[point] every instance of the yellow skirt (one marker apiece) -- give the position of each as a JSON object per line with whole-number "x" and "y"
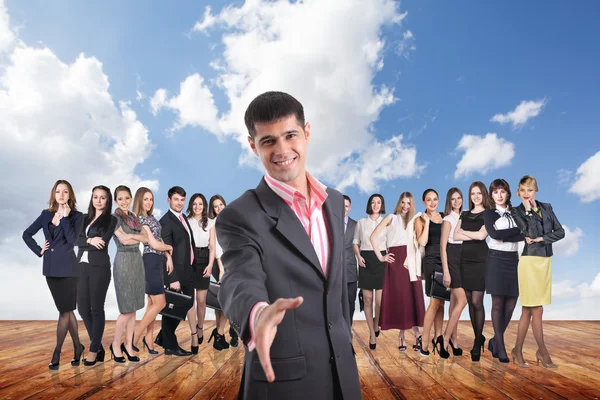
{"x": 535, "y": 280}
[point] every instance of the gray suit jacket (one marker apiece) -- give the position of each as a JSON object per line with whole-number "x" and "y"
{"x": 533, "y": 226}
{"x": 349, "y": 258}
{"x": 268, "y": 255}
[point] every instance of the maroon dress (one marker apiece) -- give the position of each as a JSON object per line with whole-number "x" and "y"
{"x": 402, "y": 302}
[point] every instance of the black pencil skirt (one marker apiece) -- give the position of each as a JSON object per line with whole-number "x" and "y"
{"x": 64, "y": 292}
{"x": 200, "y": 262}
{"x": 371, "y": 276}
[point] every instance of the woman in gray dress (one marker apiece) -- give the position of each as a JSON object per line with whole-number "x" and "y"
{"x": 128, "y": 274}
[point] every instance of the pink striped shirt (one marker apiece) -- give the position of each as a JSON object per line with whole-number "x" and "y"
{"x": 312, "y": 219}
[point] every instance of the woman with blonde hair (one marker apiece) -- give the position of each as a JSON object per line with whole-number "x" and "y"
{"x": 155, "y": 252}
{"x": 541, "y": 228}
{"x": 402, "y": 303}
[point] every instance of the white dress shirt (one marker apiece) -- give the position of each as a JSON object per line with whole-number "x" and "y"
{"x": 362, "y": 234}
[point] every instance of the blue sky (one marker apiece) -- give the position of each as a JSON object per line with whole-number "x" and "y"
{"x": 439, "y": 72}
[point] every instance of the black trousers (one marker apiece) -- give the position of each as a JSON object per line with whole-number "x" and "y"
{"x": 352, "y": 289}
{"x": 91, "y": 295}
{"x": 169, "y": 325}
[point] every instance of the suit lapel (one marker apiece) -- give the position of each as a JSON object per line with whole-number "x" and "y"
{"x": 335, "y": 227}
{"x": 288, "y": 224}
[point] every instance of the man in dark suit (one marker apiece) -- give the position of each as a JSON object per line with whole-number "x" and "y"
{"x": 349, "y": 257}
{"x": 177, "y": 232}
{"x": 284, "y": 288}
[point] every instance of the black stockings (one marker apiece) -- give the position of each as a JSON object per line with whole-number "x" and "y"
{"x": 476, "y": 311}
{"x": 502, "y": 311}
{"x": 66, "y": 322}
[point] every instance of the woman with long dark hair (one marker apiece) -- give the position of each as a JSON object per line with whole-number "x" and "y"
{"x": 204, "y": 258}
{"x": 215, "y": 206}
{"x": 450, "y": 249}
{"x": 94, "y": 262}
{"x": 473, "y": 257}
{"x": 402, "y": 303}
{"x": 372, "y": 271}
{"x": 541, "y": 228}
{"x": 61, "y": 224}
{"x": 128, "y": 275}
{"x": 501, "y": 279}
{"x": 155, "y": 252}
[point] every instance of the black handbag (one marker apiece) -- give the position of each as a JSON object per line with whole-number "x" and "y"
{"x": 438, "y": 290}
{"x": 361, "y": 300}
{"x": 212, "y": 297}
{"x": 178, "y": 304}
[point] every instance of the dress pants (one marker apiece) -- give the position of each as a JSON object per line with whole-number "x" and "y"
{"x": 352, "y": 289}
{"x": 169, "y": 325}
{"x": 91, "y": 295}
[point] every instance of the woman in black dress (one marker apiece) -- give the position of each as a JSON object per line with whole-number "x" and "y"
{"x": 61, "y": 224}
{"x": 473, "y": 256}
{"x": 428, "y": 230}
{"x": 94, "y": 261}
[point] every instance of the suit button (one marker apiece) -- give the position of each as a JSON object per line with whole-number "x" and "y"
{"x": 329, "y": 326}
{"x": 51, "y": 249}
{"x": 331, "y": 359}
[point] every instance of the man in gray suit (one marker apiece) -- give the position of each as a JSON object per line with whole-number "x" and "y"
{"x": 284, "y": 288}
{"x": 349, "y": 257}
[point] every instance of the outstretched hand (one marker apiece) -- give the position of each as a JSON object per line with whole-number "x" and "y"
{"x": 265, "y": 330}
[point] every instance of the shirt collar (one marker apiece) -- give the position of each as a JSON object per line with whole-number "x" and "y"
{"x": 346, "y": 219}
{"x": 175, "y": 212}
{"x": 318, "y": 191}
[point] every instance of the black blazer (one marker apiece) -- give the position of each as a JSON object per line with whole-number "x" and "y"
{"x": 533, "y": 226}
{"x": 268, "y": 255}
{"x": 95, "y": 256}
{"x": 174, "y": 234}
{"x": 506, "y": 235}
{"x": 59, "y": 259}
{"x": 349, "y": 257}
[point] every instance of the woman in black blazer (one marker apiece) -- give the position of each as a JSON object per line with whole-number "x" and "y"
{"x": 61, "y": 224}
{"x": 98, "y": 227}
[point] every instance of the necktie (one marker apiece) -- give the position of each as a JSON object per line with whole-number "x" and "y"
{"x": 188, "y": 231}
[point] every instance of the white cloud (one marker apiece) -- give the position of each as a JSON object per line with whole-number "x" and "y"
{"x": 587, "y": 183}
{"x": 407, "y": 44}
{"x": 483, "y": 154}
{"x": 523, "y": 113}
{"x": 328, "y": 67}
{"x": 7, "y": 36}
{"x": 59, "y": 121}
{"x": 573, "y": 289}
{"x": 569, "y": 245}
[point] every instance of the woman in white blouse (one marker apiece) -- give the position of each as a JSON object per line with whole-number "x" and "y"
{"x": 204, "y": 257}
{"x": 371, "y": 271}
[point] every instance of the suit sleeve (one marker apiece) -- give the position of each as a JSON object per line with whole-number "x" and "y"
{"x": 30, "y": 233}
{"x": 558, "y": 231}
{"x": 489, "y": 218}
{"x": 110, "y": 231}
{"x": 243, "y": 284}
{"x": 521, "y": 222}
{"x": 345, "y": 305}
{"x": 167, "y": 237}
{"x": 72, "y": 227}
{"x": 82, "y": 239}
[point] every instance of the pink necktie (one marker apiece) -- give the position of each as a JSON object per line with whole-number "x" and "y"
{"x": 188, "y": 231}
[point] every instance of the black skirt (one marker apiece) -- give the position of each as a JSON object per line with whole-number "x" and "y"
{"x": 64, "y": 292}
{"x": 501, "y": 273}
{"x": 200, "y": 263}
{"x": 371, "y": 276}
{"x": 153, "y": 271}
{"x": 453, "y": 254}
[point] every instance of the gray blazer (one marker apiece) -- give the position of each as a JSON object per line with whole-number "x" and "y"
{"x": 349, "y": 258}
{"x": 533, "y": 226}
{"x": 268, "y": 255}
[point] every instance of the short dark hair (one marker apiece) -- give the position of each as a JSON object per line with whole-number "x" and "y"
{"x": 176, "y": 190}
{"x": 270, "y": 107}
{"x": 500, "y": 184}
{"x": 370, "y": 209}
{"x": 346, "y": 197}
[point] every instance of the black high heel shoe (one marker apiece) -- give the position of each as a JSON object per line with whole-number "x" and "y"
{"x": 417, "y": 346}
{"x": 456, "y": 351}
{"x": 441, "y": 351}
{"x": 151, "y": 351}
{"x": 133, "y": 345}
{"x": 54, "y": 363}
{"x": 219, "y": 343}
{"x": 194, "y": 348}
{"x": 77, "y": 359}
{"x": 112, "y": 355}
{"x": 478, "y": 346}
{"x": 234, "y": 337}
{"x": 200, "y": 337}
{"x": 99, "y": 358}
{"x": 129, "y": 357}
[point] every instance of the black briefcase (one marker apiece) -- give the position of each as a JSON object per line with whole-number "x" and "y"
{"x": 178, "y": 304}
{"x": 438, "y": 290}
{"x": 212, "y": 297}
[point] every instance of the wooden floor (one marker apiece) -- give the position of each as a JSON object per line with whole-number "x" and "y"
{"x": 385, "y": 373}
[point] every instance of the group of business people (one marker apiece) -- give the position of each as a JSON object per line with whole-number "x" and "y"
{"x": 449, "y": 249}
{"x": 180, "y": 252}
{"x": 289, "y": 260}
